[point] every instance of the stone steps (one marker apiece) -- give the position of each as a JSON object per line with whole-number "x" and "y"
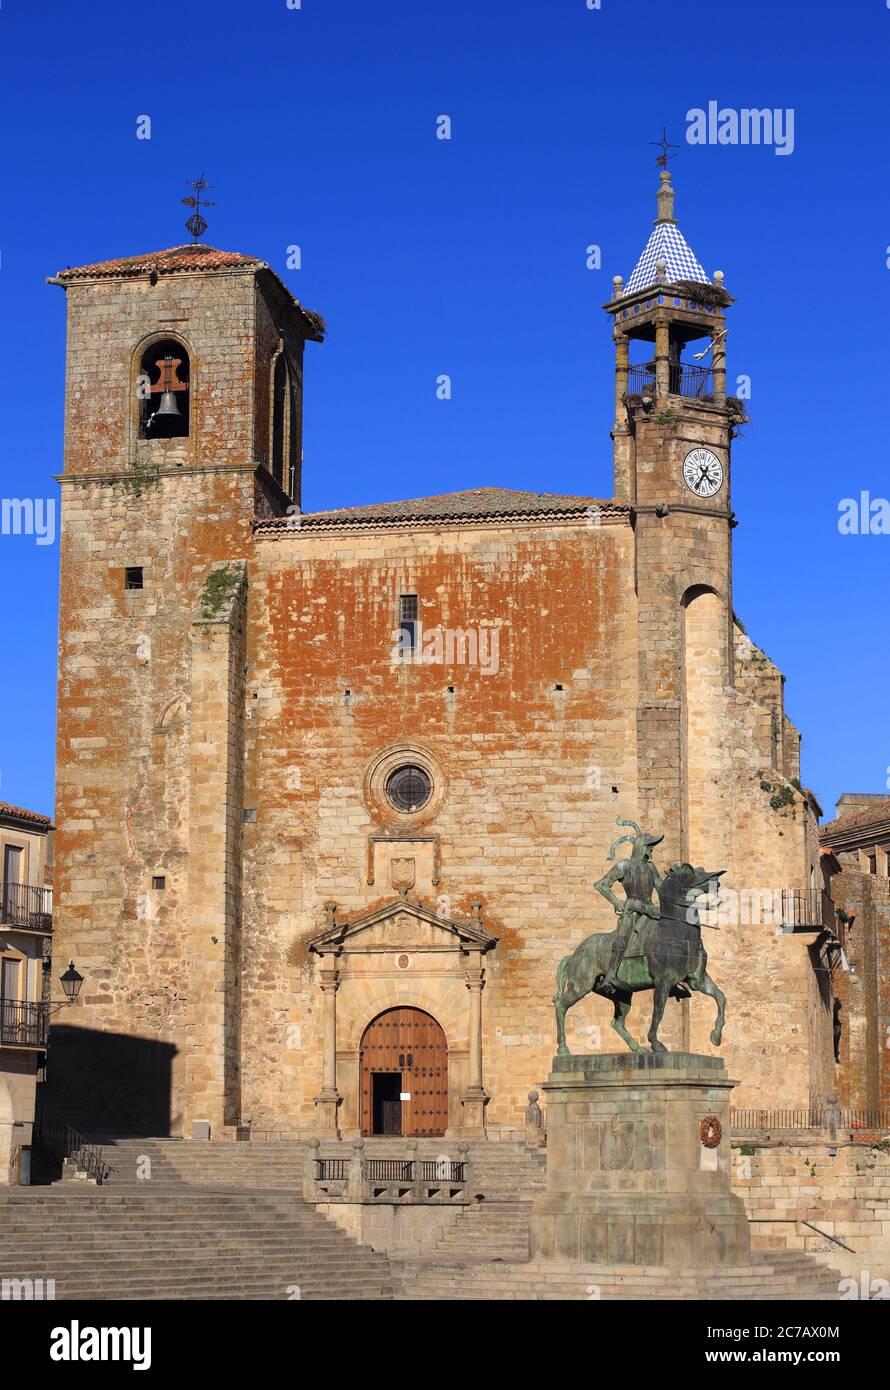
{"x": 495, "y": 1230}
{"x": 227, "y": 1221}
{"x": 448, "y": 1279}
{"x": 497, "y": 1169}
{"x": 182, "y": 1243}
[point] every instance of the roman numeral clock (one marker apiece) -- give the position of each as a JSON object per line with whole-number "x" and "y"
{"x": 703, "y": 472}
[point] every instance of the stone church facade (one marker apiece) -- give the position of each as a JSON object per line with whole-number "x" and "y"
{"x": 334, "y": 788}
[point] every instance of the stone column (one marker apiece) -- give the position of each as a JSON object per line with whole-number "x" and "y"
{"x": 622, "y": 354}
{"x": 662, "y": 359}
{"x": 216, "y": 802}
{"x": 718, "y": 363}
{"x": 475, "y": 1099}
{"x": 329, "y": 1099}
{"x": 621, "y": 430}
{"x": 310, "y": 1171}
{"x": 356, "y": 1181}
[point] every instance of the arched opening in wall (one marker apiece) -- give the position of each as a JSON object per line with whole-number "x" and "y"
{"x": 163, "y": 388}
{"x": 283, "y": 444}
{"x": 403, "y": 1081}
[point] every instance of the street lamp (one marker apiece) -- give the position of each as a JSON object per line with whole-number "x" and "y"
{"x": 71, "y": 982}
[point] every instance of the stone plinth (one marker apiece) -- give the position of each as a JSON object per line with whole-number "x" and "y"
{"x": 629, "y": 1178}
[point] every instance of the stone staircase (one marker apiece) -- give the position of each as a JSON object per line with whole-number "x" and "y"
{"x": 167, "y": 1240}
{"x": 493, "y": 1230}
{"x": 499, "y": 1170}
{"x": 226, "y": 1220}
{"x": 777, "y": 1278}
{"x": 275, "y": 1166}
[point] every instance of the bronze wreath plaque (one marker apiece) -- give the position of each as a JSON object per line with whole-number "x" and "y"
{"x": 711, "y": 1131}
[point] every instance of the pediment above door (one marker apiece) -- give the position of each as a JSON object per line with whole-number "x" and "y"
{"x": 402, "y": 924}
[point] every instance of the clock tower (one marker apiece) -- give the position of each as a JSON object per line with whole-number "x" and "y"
{"x": 672, "y": 436}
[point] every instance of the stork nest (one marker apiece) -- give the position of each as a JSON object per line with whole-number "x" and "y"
{"x": 318, "y": 322}
{"x": 709, "y": 295}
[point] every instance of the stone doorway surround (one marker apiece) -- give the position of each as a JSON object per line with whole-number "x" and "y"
{"x": 401, "y": 955}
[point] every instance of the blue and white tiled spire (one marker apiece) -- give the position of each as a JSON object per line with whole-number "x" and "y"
{"x": 668, "y": 244}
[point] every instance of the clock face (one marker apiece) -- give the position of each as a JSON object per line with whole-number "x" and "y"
{"x": 702, "y": 472}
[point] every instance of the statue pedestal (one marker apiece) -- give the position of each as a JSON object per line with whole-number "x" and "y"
{"x": 638, "y": 1163}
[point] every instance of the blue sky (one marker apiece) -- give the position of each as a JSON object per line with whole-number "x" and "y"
{"x": 467, "y": 257}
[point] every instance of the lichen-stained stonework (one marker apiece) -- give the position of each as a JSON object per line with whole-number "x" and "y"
{"x": 236, "y": 883}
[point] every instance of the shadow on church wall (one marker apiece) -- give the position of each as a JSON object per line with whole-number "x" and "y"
{"x": 109, "y": 1083}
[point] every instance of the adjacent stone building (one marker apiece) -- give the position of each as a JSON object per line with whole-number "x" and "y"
{"x": 334, "y": 788}
{"x": 26, "y": 914}
{"x": 858, "y": 839}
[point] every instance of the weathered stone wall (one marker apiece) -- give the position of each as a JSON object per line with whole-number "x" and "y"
{"x": 216, "y": 774}
{"x": 122, "y": 792}
{"x": 276, "y": 330}
{"x": 847, "y": 1196}
{"x": 111, "y": 322}
{"x": 528, "y": 772}
{"x": 864, "y": 1072}
{"x": 676, "y": 554}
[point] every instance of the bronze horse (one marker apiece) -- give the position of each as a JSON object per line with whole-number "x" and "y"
{"x": 672, "y": 961}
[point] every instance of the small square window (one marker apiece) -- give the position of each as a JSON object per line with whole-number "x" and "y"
{"x": 249, "y": 815}
{"x": 133, "y": 577}
{"x": 159, "y": 881}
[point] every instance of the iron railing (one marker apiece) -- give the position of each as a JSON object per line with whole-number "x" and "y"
{"x": 442, "y": 1170}
{"x": 389, "y": 1169}
{"x": 752, "y": 1121}
{"x": 393, "y": 1170}
{"x": 684, "y": 379}
{"x": 639, "y": 377}
{"x": 688, "y": 379}
{"x": 23, "y": 1024}
{"x": 24, "y": 905}
{"x": 332, "y": 1169}
{"x": 57, "y": 1137}
{"x": 803, "y": 908}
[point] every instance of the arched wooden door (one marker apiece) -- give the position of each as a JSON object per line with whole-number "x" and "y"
{"x": 404, "y": 1075}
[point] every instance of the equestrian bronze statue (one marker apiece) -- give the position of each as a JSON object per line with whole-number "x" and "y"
{"x": 655, "y": 946}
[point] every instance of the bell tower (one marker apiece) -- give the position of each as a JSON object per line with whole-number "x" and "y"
{"x": 672, "y": 441}
{"x": 182, "y": 424}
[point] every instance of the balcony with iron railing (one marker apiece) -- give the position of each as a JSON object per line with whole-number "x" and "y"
{"x": 23, "y": 1024}
{"x": 27, "y": 906}
{"x": 684, "y": 379}
{"x": 811, "y": 910}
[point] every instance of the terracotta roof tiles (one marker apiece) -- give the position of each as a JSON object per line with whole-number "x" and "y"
{"x": 876, "y": 814}
{"x": 471, "y": 504}
{"x": 19, "y": 813}
{"x": 194, "y": 256}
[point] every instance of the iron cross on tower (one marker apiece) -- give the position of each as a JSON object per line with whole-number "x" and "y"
{"x": 664, "y": 145}
{"x": 196, "y": 223}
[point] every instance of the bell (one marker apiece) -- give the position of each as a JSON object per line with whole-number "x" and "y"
{"x": 168, "y": 404}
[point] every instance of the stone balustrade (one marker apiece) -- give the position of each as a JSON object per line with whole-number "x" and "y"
{"x": 407, "y": 1179}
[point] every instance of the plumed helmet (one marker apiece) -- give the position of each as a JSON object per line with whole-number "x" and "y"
{"x": 640, "y": 838}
